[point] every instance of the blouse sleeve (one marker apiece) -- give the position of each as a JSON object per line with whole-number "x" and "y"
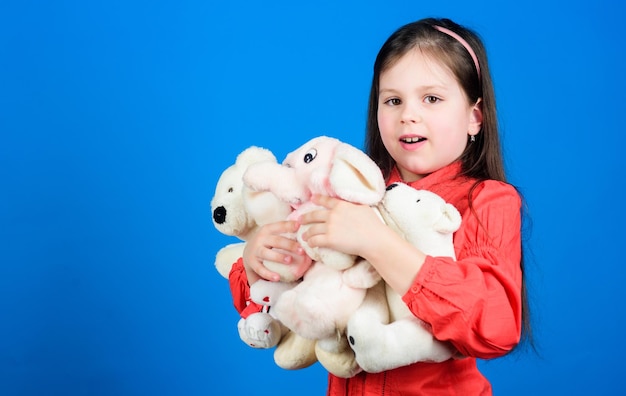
{"x": 475, "y": 301}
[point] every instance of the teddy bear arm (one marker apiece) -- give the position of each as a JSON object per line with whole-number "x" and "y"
{"x": 227, "y": 256}
{"x": 264, "y": 207}
{"x": 362, "y": 275}
{"x": 398, "y": 344}
{"x": 278, "y": 179}
{"x": 267, "y": 293}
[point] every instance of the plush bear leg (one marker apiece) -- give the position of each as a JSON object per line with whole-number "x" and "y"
{"x": 294, "y": 352}
{"x": 336, "y": 356}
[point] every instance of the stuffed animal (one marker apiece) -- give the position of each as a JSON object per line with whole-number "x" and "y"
{"x": 383, "y": 332}
{"x": 319, "y": 307}
{"x": 238, "y": 211}
{"x": 232, "y": 216}
{"x": 324, "y": 166}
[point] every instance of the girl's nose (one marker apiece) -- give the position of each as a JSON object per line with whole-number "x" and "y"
{"x": 410, "y": 115}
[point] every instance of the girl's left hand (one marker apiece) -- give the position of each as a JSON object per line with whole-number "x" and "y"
{"x": 343, "y": 226}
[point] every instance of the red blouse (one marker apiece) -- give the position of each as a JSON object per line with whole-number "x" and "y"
{"x": 473, "y": 302}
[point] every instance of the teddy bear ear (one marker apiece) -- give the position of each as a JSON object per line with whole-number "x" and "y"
{"x": 450, "y": 219}
{"x": 355, "y": 177}
{"x": 254, "y": 154}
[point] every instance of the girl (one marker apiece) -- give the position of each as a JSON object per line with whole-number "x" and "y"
{"x": 431, "y": 124}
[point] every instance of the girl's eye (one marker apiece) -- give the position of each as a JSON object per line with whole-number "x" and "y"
{"x": 393, "y": 102}
{"x": 431, "y": 99}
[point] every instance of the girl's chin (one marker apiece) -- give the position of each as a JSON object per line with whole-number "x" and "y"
{"x": 412, "y": 175}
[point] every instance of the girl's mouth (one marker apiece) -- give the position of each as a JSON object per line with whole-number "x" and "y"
{"x": 412, "y": 139}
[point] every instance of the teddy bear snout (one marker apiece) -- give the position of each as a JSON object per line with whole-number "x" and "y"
{"x": 219, "y": 215}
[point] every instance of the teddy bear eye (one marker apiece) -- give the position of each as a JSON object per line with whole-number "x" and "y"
{"x": 310, "y": 156}
{"x": 230, "y": 190}
{"x": 418, "y": 200}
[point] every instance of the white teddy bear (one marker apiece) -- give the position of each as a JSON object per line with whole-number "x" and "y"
{"x": 238, "y": 211}
{"x": 383, "y": 332}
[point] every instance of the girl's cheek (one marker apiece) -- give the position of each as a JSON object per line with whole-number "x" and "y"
{"x": 385, "y": 122}
{"x": 383, "y": 117}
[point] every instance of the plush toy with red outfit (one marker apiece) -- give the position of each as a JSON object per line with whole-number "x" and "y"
{"x": 383, "y": 332}
{"x": 319, "y": 307}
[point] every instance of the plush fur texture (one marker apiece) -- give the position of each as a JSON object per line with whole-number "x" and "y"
{"x": 320, "y": 305}
{"x": 324, "y": 166}
{"x": 238, "y": 211}
{"x": 383, "y": 332}
{"x": 339, "y": 298}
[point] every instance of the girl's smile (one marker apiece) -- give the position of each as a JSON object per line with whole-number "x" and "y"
{"x": 412, "y": 142}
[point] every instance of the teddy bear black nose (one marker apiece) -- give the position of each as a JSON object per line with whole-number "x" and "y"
{"x": 389, "y": 187}
{"x": 219, "y": 215}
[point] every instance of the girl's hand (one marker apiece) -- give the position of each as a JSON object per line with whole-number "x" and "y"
{"x": 346, "y": 227}
{"x": 358, "y": 230}
{"x": 269, "y": 243}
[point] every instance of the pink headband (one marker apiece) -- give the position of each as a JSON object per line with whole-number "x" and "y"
{"x": 463, "y": 42}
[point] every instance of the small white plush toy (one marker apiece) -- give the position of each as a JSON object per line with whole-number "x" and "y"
{"x": 383, "y": 332}
{"x": 235, "y": 212}
{"x": 238, "y": 211}
{"x": 318, "y": 308}
{"x": 231, "y": 216}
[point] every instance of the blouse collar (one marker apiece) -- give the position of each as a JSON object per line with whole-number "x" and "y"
{"x": 447, "y": 173}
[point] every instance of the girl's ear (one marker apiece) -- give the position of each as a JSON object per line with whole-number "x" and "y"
{"x": 476, "y": 118}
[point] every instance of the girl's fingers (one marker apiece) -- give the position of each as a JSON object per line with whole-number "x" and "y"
{"x": 314, "y": 216}
{"x": 312, "y": 230}
{"x": 283, "y": 243}
{"x": 272, "y": 243}
{"x": 325, "y": 201}
{"x": 276, "y": 255}
{"x": 265, "y": 273}
{"x": 283, "y": 227}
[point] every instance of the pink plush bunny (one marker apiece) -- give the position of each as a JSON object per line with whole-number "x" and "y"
{"x": 324, "y": 166}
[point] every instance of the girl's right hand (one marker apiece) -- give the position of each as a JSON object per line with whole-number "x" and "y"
{"x": 269, "y": 243}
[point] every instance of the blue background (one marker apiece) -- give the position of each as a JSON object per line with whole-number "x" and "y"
{"x": 117, "y": 118}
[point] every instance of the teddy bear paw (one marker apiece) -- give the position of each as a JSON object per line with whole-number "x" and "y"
{"x": 267, "y": 293}
{"x": 259, "y": 330}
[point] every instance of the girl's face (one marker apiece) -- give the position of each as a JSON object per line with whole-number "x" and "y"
{"x": 423, "y": 115}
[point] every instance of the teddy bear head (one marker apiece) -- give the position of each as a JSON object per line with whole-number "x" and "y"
{"x": 422, "y": 217}
{"x": 237, "y": 210}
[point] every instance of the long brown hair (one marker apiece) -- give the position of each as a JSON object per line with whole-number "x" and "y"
{"x": 482, "y": 159}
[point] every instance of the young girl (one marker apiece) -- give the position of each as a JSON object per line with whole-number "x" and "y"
{"x": 431, "y": 124}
